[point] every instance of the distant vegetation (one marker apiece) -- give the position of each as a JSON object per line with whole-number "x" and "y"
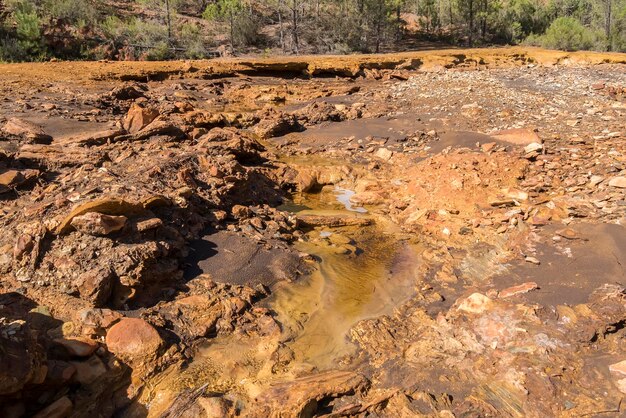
{"x": 164, "y": 29}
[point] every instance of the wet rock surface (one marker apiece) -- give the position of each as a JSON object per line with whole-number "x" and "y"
{"x": 440, "y": 236}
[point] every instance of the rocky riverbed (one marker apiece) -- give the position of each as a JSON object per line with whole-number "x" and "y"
{"x": 428, "y": 234}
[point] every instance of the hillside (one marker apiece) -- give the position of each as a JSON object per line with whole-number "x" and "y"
{"x": 35, "y": 30}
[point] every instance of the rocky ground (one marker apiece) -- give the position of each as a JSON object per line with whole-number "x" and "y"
{"x": 429, "y": 234}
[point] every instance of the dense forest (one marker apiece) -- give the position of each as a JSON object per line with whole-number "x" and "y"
{"x": 164, "y": 29}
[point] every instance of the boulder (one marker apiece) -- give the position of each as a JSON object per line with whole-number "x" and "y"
{"x": 133, "y": 338}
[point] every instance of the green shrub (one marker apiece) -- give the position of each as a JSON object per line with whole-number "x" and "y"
{"x": 160, "y": 52}
{"x": 192, "y": 40}
{"x": 568, "y": 34}
{"x": 78, "y": 12}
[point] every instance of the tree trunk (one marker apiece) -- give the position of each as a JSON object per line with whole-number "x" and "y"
{"x": 379, "y": 19}
{"x": 232, "y": 30}
{"x": 607, "y": 24}
{"x": 398, "y": 26}
{"x": 483, "y": 29}
{"x": 280, "y": 24}
{"x": 470, "y": 38}
{"x": 450, "y": 15}
{"x": 294, "y": 27}
{"x": 169, "y": 21}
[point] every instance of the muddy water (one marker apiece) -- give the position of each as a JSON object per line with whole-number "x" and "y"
{"x": 318, "y": 312}
{"x": 361, "y": 273}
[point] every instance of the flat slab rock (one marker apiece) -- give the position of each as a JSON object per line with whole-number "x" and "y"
{"x": 298, "y": 397}
{"x": 235, "y": 259}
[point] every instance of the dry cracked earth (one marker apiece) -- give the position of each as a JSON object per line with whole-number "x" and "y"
{"x": 434, "y": 234}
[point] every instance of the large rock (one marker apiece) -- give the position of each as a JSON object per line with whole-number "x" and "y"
{"x": 26, "y": 130}
{"x": 138, "y": 117}
{"x": 133, "y": 338}
{"x": 98, "y": 224}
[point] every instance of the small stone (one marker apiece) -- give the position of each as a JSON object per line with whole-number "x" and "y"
{"x": 618, "y": 368}
{"x": 241, "y": 212}
{"x": 595, "y": 180}
{"x": 98, "y": 318}
{"x": 532, "y": 260}
{"x": 567, "y": 233}
{"x": 98, "y": 224}
{"x": 88, "y": 371}
{"x": 59, "y": 372}
{"x": 185, "y": 192}
{"x": 515, "y": 194}
{"x": 149, "y": 224}
{"x": 533, "y": 147}
{"x": 384, "y": 154}
{"x": 475, "y": 303}
{"x": 78, "y": 347}
{"x": 97, "y": 284}
{"x": 518, "y": 290}
{"x": 619, "y": 182}
{"x": 488, "y": 146}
